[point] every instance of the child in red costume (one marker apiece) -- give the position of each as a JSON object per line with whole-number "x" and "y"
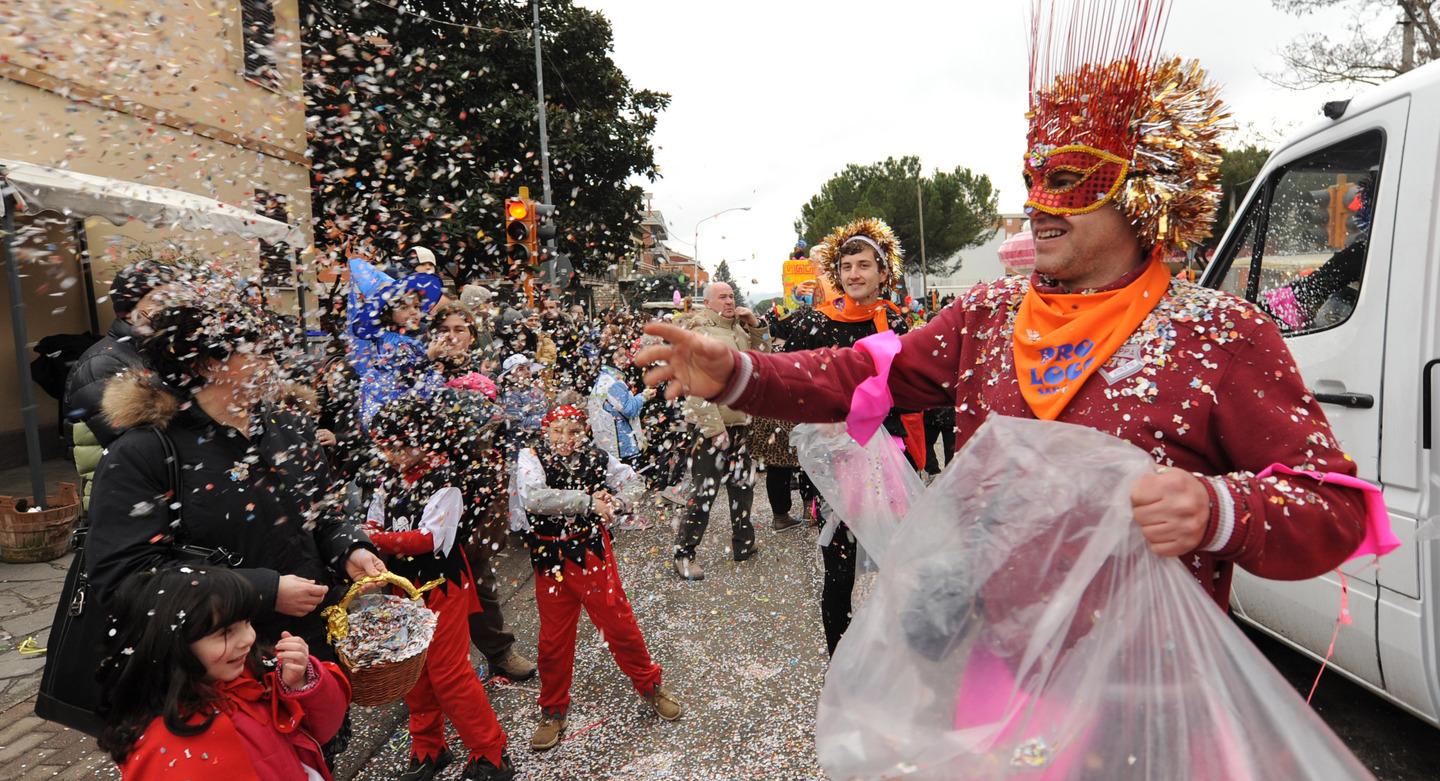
{"x": 189, "y": 694}
{"x": 417, "y": 518}
{"x": 570, "y": 491}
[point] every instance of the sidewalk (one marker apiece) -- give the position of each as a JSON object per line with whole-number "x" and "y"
{"x": 31, "y": 748}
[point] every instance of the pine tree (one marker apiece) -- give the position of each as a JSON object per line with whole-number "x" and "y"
{"x": 722, "y": 274}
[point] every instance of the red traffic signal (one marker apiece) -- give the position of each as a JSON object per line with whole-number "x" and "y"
{"x": 522, "y": 246}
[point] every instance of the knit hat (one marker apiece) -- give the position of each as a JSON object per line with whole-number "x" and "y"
{"x": 517, "y": 360}
{"x": 133, "y": 282}
{"x": 423, "y": 255}
{"x": 562, "y": 412}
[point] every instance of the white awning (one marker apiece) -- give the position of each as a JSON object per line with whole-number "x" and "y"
{"x": 41, "y": 188}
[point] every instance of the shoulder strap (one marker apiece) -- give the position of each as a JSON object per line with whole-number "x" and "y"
{"x": 176, "y": 505}
{"x": 172, "y": 473}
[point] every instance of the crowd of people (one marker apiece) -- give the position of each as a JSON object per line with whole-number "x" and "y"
{"x": 248, "y": 480}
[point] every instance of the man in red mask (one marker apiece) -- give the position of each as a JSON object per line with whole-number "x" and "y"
{"x": 1122, "y": 167}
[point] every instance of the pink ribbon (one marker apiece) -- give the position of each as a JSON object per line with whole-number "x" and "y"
{"x": 871, "y": 401}
{"x": 1379, "y": 538}
{"x": 1285, "y": 305}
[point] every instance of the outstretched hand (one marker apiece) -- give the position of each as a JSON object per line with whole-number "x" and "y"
{"x": 694, "y": 364}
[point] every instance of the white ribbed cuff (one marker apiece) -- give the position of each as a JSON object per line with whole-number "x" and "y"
{"x": 1225, "y": 518}
{"x": 744, "y": 369}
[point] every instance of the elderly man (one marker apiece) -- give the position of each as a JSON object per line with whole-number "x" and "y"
{"x": 719, "y": 455}
{"x": 1101, "y": 335}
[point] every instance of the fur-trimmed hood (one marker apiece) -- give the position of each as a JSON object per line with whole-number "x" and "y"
{"x": 136, "y": 398}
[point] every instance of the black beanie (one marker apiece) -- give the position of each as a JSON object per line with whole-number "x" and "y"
{"x": 134, "y": 281}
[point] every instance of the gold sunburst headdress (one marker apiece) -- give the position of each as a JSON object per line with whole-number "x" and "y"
{"x": 871, "y": 231}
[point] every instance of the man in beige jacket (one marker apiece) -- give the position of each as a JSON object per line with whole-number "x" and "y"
{"x": 719, "y": 454}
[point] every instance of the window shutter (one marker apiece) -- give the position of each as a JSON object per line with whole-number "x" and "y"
{"x": 277, "y": 268}
{"x": 257, "y": 19}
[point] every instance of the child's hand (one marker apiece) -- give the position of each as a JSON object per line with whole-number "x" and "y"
{"x": 603, "y": 505}
{"x": 293, "y": 656}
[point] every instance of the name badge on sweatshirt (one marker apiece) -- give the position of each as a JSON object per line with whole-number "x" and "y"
{"x": 1124, "y": 363}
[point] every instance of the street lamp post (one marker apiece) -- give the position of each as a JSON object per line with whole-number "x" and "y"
{"x": 696, "y": 242}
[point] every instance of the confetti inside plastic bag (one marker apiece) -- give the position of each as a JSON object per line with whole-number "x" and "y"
{"x": 1022, "y": 629}
{"x": 869, "y": 488}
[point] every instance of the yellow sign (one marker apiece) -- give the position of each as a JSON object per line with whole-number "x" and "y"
{"x": 802, "y": 285}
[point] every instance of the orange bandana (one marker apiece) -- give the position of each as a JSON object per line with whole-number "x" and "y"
{"x": 1063, "y": 338}
{"x": 845, "y": 310}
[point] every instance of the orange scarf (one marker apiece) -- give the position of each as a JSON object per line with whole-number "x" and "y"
{"x": 845, "y": 310}
{"x": 1063, "y": 338}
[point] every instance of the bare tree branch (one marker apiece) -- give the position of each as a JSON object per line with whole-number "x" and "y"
{"x": 1365, "y": 55}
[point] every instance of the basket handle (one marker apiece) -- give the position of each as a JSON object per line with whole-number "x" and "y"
{"x": 337, "y": 617}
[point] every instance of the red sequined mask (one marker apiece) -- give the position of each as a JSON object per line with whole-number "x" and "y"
{"x": 1072, "y": 179}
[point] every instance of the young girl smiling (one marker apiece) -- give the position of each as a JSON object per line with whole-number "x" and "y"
{"x": 190, "y": 695}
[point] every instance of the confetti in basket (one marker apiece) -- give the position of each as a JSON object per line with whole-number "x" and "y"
{"x": 382, "y": 644}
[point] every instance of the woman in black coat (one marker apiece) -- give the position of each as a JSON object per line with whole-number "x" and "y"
{"x": 254, "y": 483}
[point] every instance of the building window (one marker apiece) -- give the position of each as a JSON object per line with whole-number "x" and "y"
{"x": 257, "y": 22}
{"x": 277, "y": 268}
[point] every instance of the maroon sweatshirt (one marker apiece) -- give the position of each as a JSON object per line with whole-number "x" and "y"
{"x": 1205, "y": 384}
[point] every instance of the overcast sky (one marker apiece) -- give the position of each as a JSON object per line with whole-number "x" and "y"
{"x": 772, "y": 97}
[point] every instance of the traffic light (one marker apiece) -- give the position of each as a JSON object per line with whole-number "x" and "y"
{"x": 545, "y": 222}
{"x": 560, "y": 272}
{"x": 522, "y": 246}
{"x": 1337, "y": 222}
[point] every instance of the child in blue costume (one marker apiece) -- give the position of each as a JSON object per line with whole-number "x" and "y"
{"x": 393, "y": 362}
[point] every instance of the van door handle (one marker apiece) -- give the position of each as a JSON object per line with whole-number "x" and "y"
{"x": 1425, "y": 414}
{"x": 1351, "y": 400}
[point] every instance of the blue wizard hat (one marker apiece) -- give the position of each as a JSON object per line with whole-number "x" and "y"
{"x": 372, "y": 291}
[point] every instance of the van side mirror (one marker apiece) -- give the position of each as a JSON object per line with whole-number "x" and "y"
{"x": 1335, "y": 109}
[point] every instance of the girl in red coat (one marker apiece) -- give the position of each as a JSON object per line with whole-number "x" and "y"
{"x": 190, "y": 695}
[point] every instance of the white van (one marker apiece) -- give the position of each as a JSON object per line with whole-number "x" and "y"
{"x": 1339, "y": 238}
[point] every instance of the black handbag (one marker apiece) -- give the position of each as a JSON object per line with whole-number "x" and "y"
{"x": 69, "y": 691}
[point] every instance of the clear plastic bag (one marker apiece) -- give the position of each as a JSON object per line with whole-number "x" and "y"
{"x": 869, "y": 488}
{"x": 1022, "y": 629}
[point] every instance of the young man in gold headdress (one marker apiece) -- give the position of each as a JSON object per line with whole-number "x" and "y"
{"x": 862, "y": 259}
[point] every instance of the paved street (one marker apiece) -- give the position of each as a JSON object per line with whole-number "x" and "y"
{"x": 742, "y": 649}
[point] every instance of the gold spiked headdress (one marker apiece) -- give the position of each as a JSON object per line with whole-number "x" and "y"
{"x": 873, "y": 232}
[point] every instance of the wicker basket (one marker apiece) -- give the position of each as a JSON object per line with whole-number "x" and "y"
{"x": 39, "y": 536}
{"x": 383, "y": 682}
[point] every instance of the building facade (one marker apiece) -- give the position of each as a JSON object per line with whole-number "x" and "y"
{"x": 205, "y": 98}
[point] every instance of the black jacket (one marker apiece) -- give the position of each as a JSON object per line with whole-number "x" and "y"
{"x": 86, "y": 384}
{"x": 812, "y": 329}
{"x": 270, "y": 500}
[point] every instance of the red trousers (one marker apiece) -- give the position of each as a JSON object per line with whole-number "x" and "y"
{"x": 597, "y": 589}
{"x": 449, "y": 686}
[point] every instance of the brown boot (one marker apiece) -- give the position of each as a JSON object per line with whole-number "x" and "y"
{"x": 513, "y": 666}
{"x": 547, "y": 734}
{"x": 664, "y": 703}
